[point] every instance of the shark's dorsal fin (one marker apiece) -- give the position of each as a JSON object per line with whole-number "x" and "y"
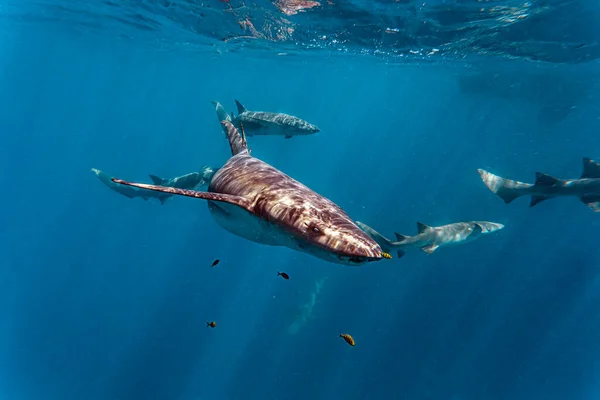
{"x": 225, "y": 198}
{"x": 421, "y": 227}
{"x": 537, "y": 200}
{"x": 430, "y": 248}
{"x": 400, "y": 237}
{"x": 237, "y": 142}
{"x": 544, "y": 179}
{"x": 591, "y": 169}
{"x": 156, "y": 180}
{"x": 240, "y": 107}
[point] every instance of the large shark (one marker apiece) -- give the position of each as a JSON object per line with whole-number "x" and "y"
{"x": 586, "y": 188}
{"x": 192, "y": 180}
{"x": 256, "y": 201}
{"x": 430, "y": 238}
{"x": 265, "y": 123}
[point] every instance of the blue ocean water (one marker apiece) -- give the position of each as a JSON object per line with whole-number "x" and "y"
{"x": 106, "y": 297}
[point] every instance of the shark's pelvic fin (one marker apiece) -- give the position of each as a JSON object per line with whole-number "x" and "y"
{"x": 592, "y": 202}
{"x": 537, "y": 200}
{"x": 591, "y": 169}
{"x": 421, "y": 227}
{"x": 430, "y": 248}
{"x": 240, "y": 107}
{"x": 225, "y": 198}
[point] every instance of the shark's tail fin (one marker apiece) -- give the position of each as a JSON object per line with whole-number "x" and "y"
{"x": 506, "y": 189}
{"x": 157, "y": 180}
{"x": 382, "y": 241}
{"x": 237, "y": 142}
{"x": 222, "y": 114}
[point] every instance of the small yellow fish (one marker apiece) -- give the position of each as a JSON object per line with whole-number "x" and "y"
{"x": 349, "y": 339}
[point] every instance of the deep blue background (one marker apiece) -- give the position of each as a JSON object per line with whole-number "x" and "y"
{"x": 105, "y": 297}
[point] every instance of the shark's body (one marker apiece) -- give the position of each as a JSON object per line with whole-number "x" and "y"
{"x": 254, "y": 200}
{"x": 266, "y": 123}
{"x": 192, "y": 180}
{"x": 586, "y": 188}
{"x": 430, "y": 238}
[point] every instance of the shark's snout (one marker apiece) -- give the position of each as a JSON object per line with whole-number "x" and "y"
{"x": 360, "y": 249}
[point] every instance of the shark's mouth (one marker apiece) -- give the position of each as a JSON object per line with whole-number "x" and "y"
{"x": 358, "y": 259}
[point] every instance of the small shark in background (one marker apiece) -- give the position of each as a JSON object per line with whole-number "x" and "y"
{"x": 586, "y": 188}
{"x": 430, "y": 238}
{"x": 265, "y": 123}
{"x": 188, "y": 181}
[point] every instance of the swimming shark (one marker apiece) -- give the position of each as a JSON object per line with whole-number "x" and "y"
{"x": 265, "y": 123}
{"x": 430, "y": 238}
{"x": 253, "y": 200}
{"x": 188, "y": 181}
{"x": 586, "y": 188}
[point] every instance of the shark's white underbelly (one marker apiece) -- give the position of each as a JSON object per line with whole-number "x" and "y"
{"x": 240, "y": 222}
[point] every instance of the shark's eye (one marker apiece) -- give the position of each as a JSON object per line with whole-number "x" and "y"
{"x": 314, "y": 229}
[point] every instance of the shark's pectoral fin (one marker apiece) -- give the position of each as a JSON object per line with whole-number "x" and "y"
{"x": 591, "y": 169}
{"x": 163, "y": 200}
{"x": 592, "y": 202}
{"x": 537, "y": 200}
{"x": 219, "y": 197}
{"x": 288, "y": 136}
{"x": 400, "y": 253}
{"x": 430, "y": 248}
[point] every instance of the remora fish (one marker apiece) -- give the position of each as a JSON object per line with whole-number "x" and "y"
{"x": 586, "y": 188}
{"x": 254, "y": 200}
{"x": 430, "y": 238}
{"x": 265, "y": 123}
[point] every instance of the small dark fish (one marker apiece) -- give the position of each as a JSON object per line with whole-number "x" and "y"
{"x": 349, "y": 339}
{"x": 212, "y": 324}
{"x": 215, "y": 262}
{"x": 283, "y": 275}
